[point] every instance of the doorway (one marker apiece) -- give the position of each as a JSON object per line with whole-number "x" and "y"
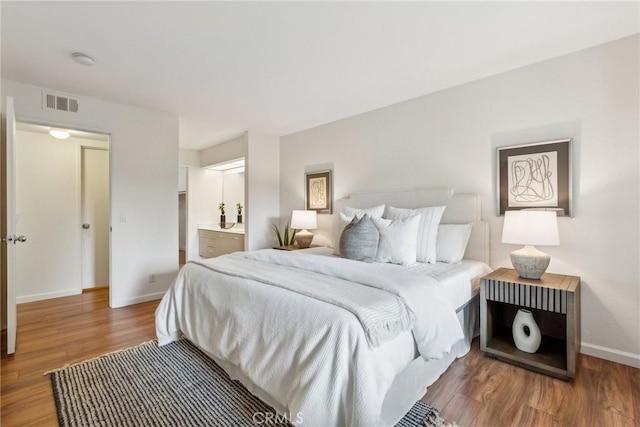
{"x": 95, "y": 217}
{"x": 53, "y": 180}
{"x": 182, "y": 215}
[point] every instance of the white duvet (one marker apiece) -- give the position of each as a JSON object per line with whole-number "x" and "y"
{"x": 310, "y": 358}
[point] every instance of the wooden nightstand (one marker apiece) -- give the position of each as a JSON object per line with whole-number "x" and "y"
{"x": 554, "y": 301}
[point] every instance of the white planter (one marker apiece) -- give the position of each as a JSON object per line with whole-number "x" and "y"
{"x": 526, "y": 333}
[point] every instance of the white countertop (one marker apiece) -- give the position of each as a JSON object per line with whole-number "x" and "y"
{"x": 236, "y": 229}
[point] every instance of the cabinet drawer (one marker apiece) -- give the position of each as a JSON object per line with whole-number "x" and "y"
{"x": 207, "y": 251}
{"x": 207, "y": 234}
{"x": 525, "y": 295}
{"x": 215, "y": 243}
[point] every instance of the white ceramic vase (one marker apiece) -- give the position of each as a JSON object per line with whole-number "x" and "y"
{"x": 526, "y": 333}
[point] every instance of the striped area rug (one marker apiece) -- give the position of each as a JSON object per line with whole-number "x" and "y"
{"x": 173, "y": 385}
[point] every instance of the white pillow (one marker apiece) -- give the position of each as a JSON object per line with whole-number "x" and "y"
{"x": 452, "y": 242}
{"x": 398, "y": 240}
{"x": 427, "y": 232}
{"x": 344, "y": 219}
{"x": 374, "y": 212}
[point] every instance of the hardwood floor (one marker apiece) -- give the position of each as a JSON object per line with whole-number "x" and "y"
{"x": 62, "y": 331}
{"x": 182, "y": 258}
{"x": 479, "y": 391}
{"x": 475, "y": 391}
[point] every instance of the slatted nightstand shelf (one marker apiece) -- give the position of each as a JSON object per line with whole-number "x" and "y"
{"x": 554, "y": 301}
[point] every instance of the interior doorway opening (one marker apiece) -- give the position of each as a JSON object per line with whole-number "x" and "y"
{"x": 62, "y": 200}
{"x": 183, "y": 245}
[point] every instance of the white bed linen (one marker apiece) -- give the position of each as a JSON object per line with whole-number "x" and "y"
{"x": 319, "y": 368}
{"x": 455, "y": 278}
{"x": 410, "y": 384}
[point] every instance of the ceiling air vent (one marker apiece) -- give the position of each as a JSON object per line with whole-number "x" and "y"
{"x": 58, "y": 102}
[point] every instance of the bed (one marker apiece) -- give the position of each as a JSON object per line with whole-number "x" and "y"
{"x": 332, "y": 341}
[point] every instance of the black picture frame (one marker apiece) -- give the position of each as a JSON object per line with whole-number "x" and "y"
{"x": 535, "y": 176}
{"x": 318, "y": 192}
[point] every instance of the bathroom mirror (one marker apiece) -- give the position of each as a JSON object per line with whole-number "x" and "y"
{"x": 233, "y": 182}
{"x": 233, "y": 193}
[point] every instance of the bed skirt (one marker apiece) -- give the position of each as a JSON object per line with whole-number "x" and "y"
{"x": 412, "y": 383}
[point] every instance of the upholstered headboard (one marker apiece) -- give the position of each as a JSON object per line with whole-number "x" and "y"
{"x": 460, "y": 209}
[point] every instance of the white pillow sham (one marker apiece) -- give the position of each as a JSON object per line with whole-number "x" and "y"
{"x": 452, "y": 242}
{"x": 427, "y": 232}
{"x": 344, "y": 219}
{"x": 398, "y": 240}
{"x": 374, "y": 212}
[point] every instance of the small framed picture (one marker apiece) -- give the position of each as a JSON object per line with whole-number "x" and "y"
{"x": 535, "y": 176}
{"x": 318, "y": 192}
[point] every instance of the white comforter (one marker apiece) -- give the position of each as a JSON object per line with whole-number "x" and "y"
{"x": 309, "y": 356}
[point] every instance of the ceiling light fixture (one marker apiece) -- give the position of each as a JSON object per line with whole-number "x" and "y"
{"x": 233, "y": 164}
{"x": 59, "y": 133}
{"x": 83, "y": 58}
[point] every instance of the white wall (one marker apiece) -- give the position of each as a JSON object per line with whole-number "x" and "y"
{"x": 144, "y": 156}
{"x": 224, "y": 152}
{"x": 48, "y": 213}
{"x": 449, "y": 139}
{"x": 262, "y": 189}
{"x": 261, "y": 181}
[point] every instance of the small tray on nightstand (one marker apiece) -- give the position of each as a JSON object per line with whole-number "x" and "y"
{"x": 293, "y": 247}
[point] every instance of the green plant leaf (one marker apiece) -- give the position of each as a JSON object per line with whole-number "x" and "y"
{"x": 286, "y": 234}
{"x": 275, "y": 227}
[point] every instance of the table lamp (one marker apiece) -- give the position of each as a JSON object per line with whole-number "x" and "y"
{"x": 304, "y": 221}
{"x": 529, "y": 228}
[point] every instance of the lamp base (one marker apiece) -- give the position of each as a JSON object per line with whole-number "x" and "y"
{"x": 529, "y": 262}
{"x": 303, "y": 239}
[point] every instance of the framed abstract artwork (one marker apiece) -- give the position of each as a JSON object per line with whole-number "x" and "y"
{"x": 318, "y": 192}
{"x": 535, "y": 176}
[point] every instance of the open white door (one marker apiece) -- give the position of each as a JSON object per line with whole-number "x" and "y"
{"x": 10, "y": 239}
{"x": 95, "y": 217}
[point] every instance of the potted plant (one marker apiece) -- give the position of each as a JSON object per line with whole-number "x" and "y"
{"x": 285, "y": 239}
{"x": 239, "y": 207}
{"x": 223, "y": 218}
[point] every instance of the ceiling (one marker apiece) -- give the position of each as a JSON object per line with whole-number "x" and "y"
{"x": 282, "y": 67}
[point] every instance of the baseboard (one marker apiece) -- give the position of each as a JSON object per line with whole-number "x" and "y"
{"x": 47, "y": 295}
{"x": 137, "y": 300}
{"x": 613, "y": 355}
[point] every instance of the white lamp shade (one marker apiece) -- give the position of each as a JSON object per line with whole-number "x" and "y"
{"x": 304, "y": 220}
{"x": 536, "y": 228}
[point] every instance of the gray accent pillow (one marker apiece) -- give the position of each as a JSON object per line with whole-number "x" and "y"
{"x": 359, "y": 240}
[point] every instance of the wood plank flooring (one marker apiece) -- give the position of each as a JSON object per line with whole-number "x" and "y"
{"x": 62, "y": 331}
{"x": 475, "y": 391}
{"x": 479, "y": 391}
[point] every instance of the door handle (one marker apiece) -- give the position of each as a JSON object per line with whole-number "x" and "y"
{"x": 15, "y": 239}
{"x": 86, "y": 226}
